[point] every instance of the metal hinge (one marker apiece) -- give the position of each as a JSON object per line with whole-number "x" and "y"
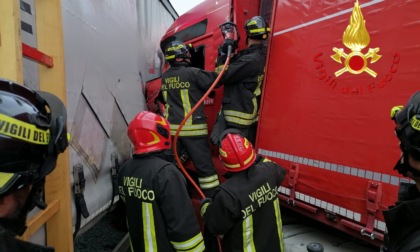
{"x": 292, "y": 178}
{"x": 373, "y": 198}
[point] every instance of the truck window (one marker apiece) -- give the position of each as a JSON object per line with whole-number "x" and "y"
{"x": 266, "y": 10}
{"x": 197, "y": 57}
{"x": 187, "y": 34}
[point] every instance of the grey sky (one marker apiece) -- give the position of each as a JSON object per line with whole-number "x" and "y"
{"x": 181, "y": 6}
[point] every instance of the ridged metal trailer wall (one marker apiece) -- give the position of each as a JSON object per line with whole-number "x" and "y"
{"x": 96, "y": 56}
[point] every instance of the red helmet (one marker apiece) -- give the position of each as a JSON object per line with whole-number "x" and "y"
{"x": 236, "y": 153}
{"x": 149, "y": 132}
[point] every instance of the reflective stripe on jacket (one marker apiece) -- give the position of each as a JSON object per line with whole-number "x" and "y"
{"x": 182, "y": 87}
{"x": 160, "y": 215}
{"x": 242, "y": 86}
{"x": 246, "y": 210}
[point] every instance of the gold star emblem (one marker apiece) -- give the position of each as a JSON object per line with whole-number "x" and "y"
{"x": 356, "y": 38}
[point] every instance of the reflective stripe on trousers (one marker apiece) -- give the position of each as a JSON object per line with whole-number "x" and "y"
{"x": 279, "y": 222}
{"x": 195, "y": 244}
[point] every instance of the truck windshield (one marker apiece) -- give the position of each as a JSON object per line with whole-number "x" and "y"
{"x": 186, "y": 34}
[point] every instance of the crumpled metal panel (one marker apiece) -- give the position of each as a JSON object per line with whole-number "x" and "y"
{"x": 111, "y": 50}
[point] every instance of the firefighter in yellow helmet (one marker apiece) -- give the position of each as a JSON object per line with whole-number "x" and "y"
{"x": 243, "y": 79}
{"x": 182, "y": 87}
{"x": 246, "y": 209}
{"x": 160, "y": 215}
{"x": 32, "y": 135}
{"x": 403, "y": 219}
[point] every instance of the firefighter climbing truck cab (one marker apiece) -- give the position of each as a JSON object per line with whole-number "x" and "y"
{"x": 334, "y": 70}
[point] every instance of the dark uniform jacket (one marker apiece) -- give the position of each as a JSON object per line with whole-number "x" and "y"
{"x": 160, "y": 215}
{"x": 8, "y": 243}
{"x": 182, "y": 87}
{"x": 403, "y": 221}
{"x": 242, "y": 86}
{"x": 246, "y": 210}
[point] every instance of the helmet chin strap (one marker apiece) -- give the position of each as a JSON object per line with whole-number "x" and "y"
{"x": 17, "y": 224}
{"x": 402, "y": 166}
{"x": 37, "y": 195}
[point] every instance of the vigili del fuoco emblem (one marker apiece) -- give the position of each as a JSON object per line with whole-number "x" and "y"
{"x": 356, "y": 38}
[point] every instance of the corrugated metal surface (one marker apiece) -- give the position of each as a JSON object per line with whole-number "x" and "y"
{"x": 111, "y": 50}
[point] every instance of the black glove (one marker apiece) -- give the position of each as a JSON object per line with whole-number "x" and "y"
{"x": 221, "y": 57}
{"x": 221, "y": 60}
{"x": 204, "y": 203}
{"x": 226, "y": 44}
{"x": 218, "y": 128}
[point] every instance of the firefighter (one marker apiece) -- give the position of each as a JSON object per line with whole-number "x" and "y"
{"x": 160, "y": 215}
{"x": 243, "y": 80}
{"x": 246, "y": 209}
{"x": 403, "y": 219}
{"x": 32, "y": 135}
{"x": 182, "y": 87}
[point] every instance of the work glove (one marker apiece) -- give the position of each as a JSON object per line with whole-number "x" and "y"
{"x": 221, "y": 57}
{"x": 218, "y": 128}
{"x": 228, "y": 42}
{"x": 204, "y": 203}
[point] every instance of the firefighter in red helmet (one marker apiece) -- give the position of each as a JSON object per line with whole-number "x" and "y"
{"x": 160, "y": 215}
{"x": 182, "y": 87}
{"x": 246, "y": 209}
{"x": 32, "y": 135}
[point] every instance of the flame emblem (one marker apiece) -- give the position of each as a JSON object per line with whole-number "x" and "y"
{"x": 161, "y": 121}
{"x": 356, "y": 38}
{"x": 155, "y": 138}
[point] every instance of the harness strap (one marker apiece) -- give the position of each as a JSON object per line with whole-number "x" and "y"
{"x": 79, "y": 198}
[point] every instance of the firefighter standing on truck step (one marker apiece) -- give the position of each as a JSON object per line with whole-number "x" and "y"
{"x": 182, "y": 87}
{"x": 243, "y": 80}
{"x": 160, "y": 215}
{"x": 246, "y": 209}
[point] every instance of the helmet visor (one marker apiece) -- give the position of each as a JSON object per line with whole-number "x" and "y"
{"x": 10, "y": 182}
